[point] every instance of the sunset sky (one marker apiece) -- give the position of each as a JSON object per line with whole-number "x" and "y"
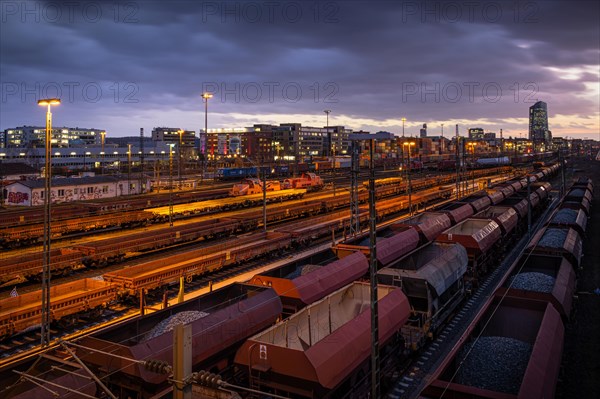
{"x": 123, "y": 65}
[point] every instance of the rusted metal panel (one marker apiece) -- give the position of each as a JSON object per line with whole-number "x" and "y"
{"x": 535, "y": 323}
{"x": 392, "y": 248}
{"x": 496, "y": 196}
{"x": 478, "y": 201}
{"x": 476, "y": 235}
{"x": 321, "y": 282}
{"x": 458, "y": 212}
{"x": 441, "y": 265}
{"x": 519, "y": 204}
{"x": 312, "y": 346}
{"x": 505, "y": 216}
{"x": 429, "y": 224}
{"x": 234, "y": 313}
{"x": 534, "y": 199}
{"x": 517, "y": 185}
{"x": 582, "y": 203}
{"x": 506, "y": 189}
{"x": 558, "y": 241}
{"x": 557, "y": 267}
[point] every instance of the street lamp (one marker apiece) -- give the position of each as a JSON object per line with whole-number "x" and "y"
{"x": 102, "y": 136}
{"x": 128, "y": 169}
{"x": 472, "y": 145}
{"x": 332, "y": 148}
{"x": 206, "y": 96}
{"x": 409, "y": 144}
{"x": 171, "y": 185}
{"x": 179, "y": 154}
{"x": 45, "y": 332}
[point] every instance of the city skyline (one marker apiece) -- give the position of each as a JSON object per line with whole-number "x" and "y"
{"x": 145, "y": 64}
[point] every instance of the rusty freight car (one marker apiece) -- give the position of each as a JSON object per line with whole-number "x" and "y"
{"x": 307, "y": 355}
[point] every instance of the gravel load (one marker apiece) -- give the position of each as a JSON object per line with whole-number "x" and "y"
{"x": 494, "y": 363}
{"x": 170, "y": 322}
{"x": 533, "y": 281}
{"x": 578, "y": 192}
{"x": 301, "y": 271}
{"x": 565, "y": 216}
{"x": 553, "y": 238}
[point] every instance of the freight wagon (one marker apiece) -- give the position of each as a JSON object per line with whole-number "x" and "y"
{"x": 307, "y": 355}
{"x": 220, "y": 321}
{"x": 82, "y": 296}
{"x": 511, "y": 350}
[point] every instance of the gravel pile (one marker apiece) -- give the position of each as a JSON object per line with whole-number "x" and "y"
{"x": 495, "y": 363}
{"x": 553, "y": 238}
{"x": 170, "y": 322}
{"x": 302, "y": 270}
{"x": 533, "y": 281}
{"x": 565, "y": 216}
{"x": 578, "y": 192}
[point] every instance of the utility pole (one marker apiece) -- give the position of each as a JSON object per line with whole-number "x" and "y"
{"x": 46, "y": 266}
{"x": 264, "y": 190}
{"x": 354, "y": 206}
{"x": 373, "y": 278}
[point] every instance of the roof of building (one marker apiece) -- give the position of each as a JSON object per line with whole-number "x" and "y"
{"x": 16, "y": 168}
{"x": 70, "y": 181}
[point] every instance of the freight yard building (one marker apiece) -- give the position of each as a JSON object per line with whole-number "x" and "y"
{"x": 31, "y": 192}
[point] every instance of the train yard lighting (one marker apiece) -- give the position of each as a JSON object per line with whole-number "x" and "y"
{"x": 102, "y": 138}
{"x": 128, "y": 169}
{"x": 45, "y": 331}
{"x": 179, "y": 156}
{"x": 409, "y": 144}
{"x": 332, "y": 148}
{"x": 171, "y": 185}
{"x": 205, "y": 96}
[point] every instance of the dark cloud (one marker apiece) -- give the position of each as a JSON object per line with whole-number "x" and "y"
{"x": 135, "y": 64}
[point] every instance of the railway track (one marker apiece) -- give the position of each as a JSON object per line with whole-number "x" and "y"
{"x": 26, "y": 344}
{"x": 411, "y": 381}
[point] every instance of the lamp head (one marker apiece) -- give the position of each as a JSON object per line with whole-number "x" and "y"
{"x": 49, "y": 101}
{"x": 207, "y": 95}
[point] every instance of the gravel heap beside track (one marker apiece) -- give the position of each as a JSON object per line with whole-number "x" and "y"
{"x": 578, "y": 192}
{"x": 533, "y": 281}
{"x": 565, "y": 216}
{"x": 169, "y": 323}
{"x": 302, "y": 270}
{"x": 494, "y": 363}
{"x": 553, "y": 238}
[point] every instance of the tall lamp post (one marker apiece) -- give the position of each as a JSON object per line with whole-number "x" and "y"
{"x": 179, "y": 156}
{"x": 206, "y": 96}
{"x": 409, "y": 144}
{"x": 403, "y": 120}
{"x": 471, "y": 145}
{"x": 128, "y": 169}
{"x": 171, "y": 185}
{"x": 46, "y": 273}
{"x": 102, "y": 136}
{"x": 331, "y": 148}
